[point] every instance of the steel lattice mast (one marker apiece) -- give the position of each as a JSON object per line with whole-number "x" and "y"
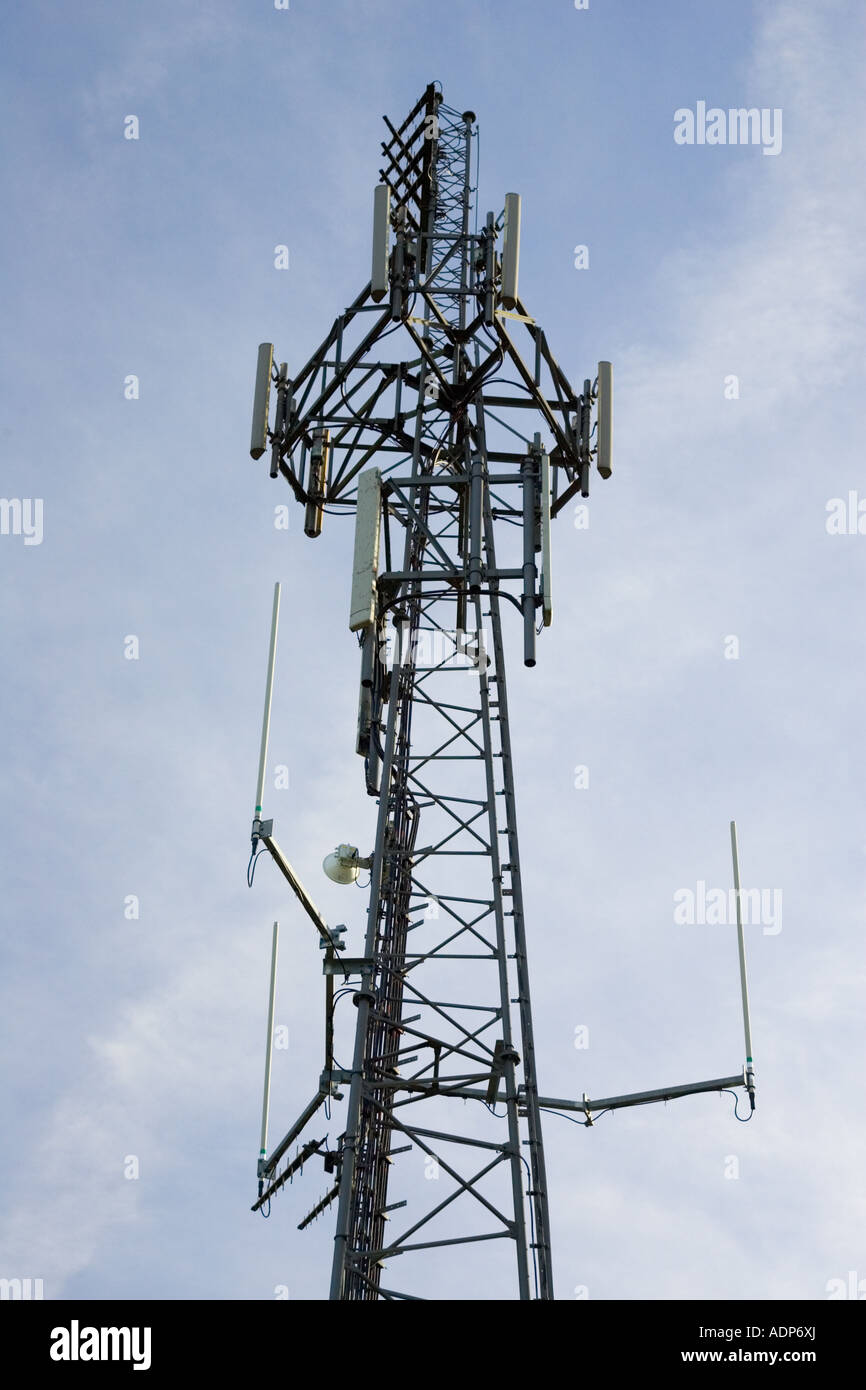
{"x": 432, "y": 448}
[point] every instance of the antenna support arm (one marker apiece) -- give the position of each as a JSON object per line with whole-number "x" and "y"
{"x": 586, "y": 1106}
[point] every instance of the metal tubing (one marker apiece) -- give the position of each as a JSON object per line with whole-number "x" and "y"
{"x": 538, "y": 1190}
{"x": 476, "y": 495}
{"x": 368, "y": 653}
{"x": 397, "y": 278}
{"x": 508, "y": 1072}
{"x": 296, "y": 886}
{"x": 528, "y": 472}
{"x": 353, "y": 1110}
{"x": 722, "y": 1083}
{"x": 546, "y": 589}
{"x": 605, "y": 418}
{"x": 374, "y": 766}
{"x": 280, "y": 417}
{"x": 306, "y": 1115}
{"x": 489, "y": 270}
{"x": 330, "y": 957}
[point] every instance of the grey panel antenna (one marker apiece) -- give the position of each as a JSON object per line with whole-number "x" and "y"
{"x": 262, "y": 400}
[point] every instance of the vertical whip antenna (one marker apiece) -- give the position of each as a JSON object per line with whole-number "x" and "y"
{"x": 747, "y": 1027}
{"x": 266, "y": 1098}
{"x": 266, "y": 717}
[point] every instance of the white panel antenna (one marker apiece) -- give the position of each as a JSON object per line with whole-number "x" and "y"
{"x": 381, "y": 236}
{"x": 510, "y": 250}
{"x": 365, "y": 570}
{"x": 262, "y": 400}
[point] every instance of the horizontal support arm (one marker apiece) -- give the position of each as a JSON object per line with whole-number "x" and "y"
{"x": 586, "y": 1107}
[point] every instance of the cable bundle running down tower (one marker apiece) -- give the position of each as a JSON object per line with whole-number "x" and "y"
{"x": 424, "y": 412}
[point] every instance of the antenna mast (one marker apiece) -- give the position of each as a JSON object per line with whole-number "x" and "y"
{"x": 412, "y": 415}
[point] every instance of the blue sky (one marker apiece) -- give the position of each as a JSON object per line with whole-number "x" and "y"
{"x": 155, "y": 257}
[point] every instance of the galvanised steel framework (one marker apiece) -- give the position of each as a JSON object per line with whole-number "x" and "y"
{"x": 442, "y": 1082}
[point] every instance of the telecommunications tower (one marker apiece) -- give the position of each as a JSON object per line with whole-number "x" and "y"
{"x": 435, "y": 413}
